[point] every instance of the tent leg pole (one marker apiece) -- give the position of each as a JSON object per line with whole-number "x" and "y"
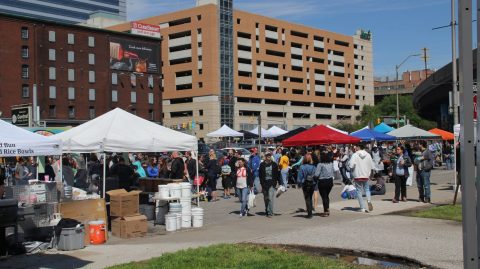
{"x": 197, "y": 175}
{"x": 104, "y": 174}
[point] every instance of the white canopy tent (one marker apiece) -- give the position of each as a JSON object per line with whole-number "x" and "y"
{"x": 265, "y": 133}
{"x": 225, "y": 131}
{"x": 411, "y": 132}
{"x": 121, "y": 131}
{"x": 275, "y": 131}
{"x": 338, "y": 130}
{"x": 15, "y": 141}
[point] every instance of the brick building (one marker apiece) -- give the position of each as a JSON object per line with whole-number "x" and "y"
{"x": 225, "y": 66}
{"x": 406, "y": 84}
{"x": 80, "y": 72}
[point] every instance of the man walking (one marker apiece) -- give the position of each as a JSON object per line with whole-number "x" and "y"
{"x": 254, "y": 166}
{"x": 361, "y": 164}
{"x": 425, "y": 166}
{"x": 269, "y": 176}
{"x": 178, "y": 166}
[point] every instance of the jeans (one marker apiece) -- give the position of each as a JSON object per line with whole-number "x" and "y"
{"x": 284, "y": 173}
{"x": 257, "y": 185}
{"x": 324, "y": 187}
{"x": 400, "y": 187}
{"x": 308, "y": 187}
{"x": 268, "y": 194}
{"x": 243, "y": 196}
{"x": 449, "y": 163}
{"x": 362, "y": 186}
{"x": 423, "y": 184}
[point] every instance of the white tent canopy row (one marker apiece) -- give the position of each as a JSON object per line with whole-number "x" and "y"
{"x": 15, "y": 141}
{"x": 120, "y": 131}
{"x": 225, "y": 131}
{"x": 276, "y": 131}
{"x": 411, "y": 132}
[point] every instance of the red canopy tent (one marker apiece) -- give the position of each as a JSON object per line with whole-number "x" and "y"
{"x": 444, "y": 134}
{"x": 319, "y": 135}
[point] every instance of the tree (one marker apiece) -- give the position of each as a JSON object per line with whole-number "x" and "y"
{"x": 388, "y": 107}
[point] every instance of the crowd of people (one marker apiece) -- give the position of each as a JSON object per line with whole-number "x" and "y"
{"x": 271, "y": 173}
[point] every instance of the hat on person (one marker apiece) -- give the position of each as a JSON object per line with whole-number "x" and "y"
{"x": 268, "y": 154}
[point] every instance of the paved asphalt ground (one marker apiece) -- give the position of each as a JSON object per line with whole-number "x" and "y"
{"x": 436, "y": 243}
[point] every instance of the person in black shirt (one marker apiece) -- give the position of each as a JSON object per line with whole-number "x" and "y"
{"x": 178, "y": 167}
{"x": 124, "y": 173}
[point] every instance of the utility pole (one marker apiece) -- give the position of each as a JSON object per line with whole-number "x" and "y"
{"x": 455, "y": 95}
{"x": 467, "y": 139}
{"x": 259, "y": 134}
{"x": 425, "y": 58}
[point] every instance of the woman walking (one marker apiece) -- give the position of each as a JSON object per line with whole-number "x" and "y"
{"x": 306, "y": 179}
{"x": 244, "y": 185}
{"x": 400, "y": 174}
{"x": 212, "y": 175}
{"x": 325, "y": 174}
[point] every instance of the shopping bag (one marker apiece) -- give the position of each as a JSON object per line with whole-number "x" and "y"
{"x": 251, "y": 200}
{"x": 410, "y": 177}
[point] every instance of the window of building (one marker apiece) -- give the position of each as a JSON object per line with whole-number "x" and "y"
{"x": 71, "y": 39}
{"x": 25, "y": 52}
{"x": 114, "y": 78}
{"x": 91, "y": 41}
{"x": 199, "y": 17}
{"x": 91, "y": 112}
{"x": 114, "y": 96}
{"x": 71, "y": 93}
{"x": 91, "y": 76}
{"x": 200, "y": 71}
{"x": 24, "y": 32}
{"x": 25, "y": 91}
{"x": 200, "y": 84}
{"x": 71, "y": 75}
{"x": 200, "y": 112}
{"x": 133, "y": 80}
{"x": 91, "y": 58}
{"x": 51, "y": 36}
{"x": 52, "y": 112}
{"x": 238, "y": 21}
{"x": 52, "y": 73}
{"x": 150, "y": 98}
{"x": 151, "y": 114}
{"x": 91, "y": 95}
{"x": 133, "y": 111}
{"x": 71, "y": 112}
{"x": 133, "y": 97}
{"x": 51, "y": 55}
{"x": 150, "y": 82}
{"x": 52, "y": 92}
{"x": 71, "y": 57}
{"x": 25, "y": 73}
{"x": 201, "y": 126}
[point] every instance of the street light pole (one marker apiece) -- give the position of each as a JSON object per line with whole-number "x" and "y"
{"x": 397, "y": 67}
{"x": 455, "y": 96}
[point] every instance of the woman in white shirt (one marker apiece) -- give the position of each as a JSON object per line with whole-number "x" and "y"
{"x": 244, "y": 185}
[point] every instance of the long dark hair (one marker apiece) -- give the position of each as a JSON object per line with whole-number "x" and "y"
{"x": 326, "y": 157}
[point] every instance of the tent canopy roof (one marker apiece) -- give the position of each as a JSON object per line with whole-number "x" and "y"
{"x": 225, "y": 131}
{"x": 265, "y": 133}
{"x": 338, "y": 130}
{"x": 16, "y": 141}
{"x": 383, "y": 128}
{"x": 290, "y": 134}
{"x": 120, "y": 131}
{"x": 276, "y": 131}
{"x": 411, "y": 132}
{"x": 444, "y": 134}
{"x": 366, "y": 134}
{"x": 319, "y": 135}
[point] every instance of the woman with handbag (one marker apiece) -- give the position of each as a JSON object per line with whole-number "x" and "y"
{"x": 212, "y": 175}
{"x": 244, "y": 184}
{"x": 325, "y": 175}
{"x": 305, "y": 179}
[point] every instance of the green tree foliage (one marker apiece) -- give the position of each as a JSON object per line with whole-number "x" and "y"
{"x": 388, "y": 107}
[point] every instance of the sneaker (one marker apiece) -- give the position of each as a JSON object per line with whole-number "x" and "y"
{"x": 363, "y": 210}
{"x": 241, "y": 215}
{"x": 404, "y": 199}
{"x": 280, "y": 191}
{"x": 394, "y": 201}
{"x": 269, "y": 216}
{"x": 370, "y": 206}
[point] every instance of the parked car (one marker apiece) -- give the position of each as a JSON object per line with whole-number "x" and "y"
{"x": 245, "y": 153}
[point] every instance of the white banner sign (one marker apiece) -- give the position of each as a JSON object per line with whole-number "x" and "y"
{"x": 139, "y": 28}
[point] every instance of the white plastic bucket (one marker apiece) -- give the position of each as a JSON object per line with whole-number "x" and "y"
{"x": 171, "y": 222}
{"x": 186, "y": 190}
{"x": 163, "y": 191}
{"x": 186, "y": 220}
{"x": 197, "y": 217}
{"x": 179, "y": 221}
{"x": 175, "y": 208}
{"x": 175, "y": 190}
{"x": 186, "y": 205}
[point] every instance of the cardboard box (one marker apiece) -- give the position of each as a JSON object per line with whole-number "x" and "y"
{"x": 123, "y": 203}
{"x": 85, "y": 211}
{"x": 130, "y": 226}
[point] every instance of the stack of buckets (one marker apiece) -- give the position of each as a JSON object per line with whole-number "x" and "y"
{"x": 181, "y": 214}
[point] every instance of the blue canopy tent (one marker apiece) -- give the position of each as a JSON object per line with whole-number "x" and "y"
{"x": 371, "y": 135}
{"x": 383, "y": 128}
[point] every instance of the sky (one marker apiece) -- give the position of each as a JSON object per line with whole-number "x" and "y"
{"x": 399, "y": 27}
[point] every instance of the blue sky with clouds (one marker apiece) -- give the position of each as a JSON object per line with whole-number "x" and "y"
{"x": 399, "y": 27}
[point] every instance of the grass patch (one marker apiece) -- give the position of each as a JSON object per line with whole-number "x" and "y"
{"x": 238, "y": 256}
{"x": 446, "y": 212}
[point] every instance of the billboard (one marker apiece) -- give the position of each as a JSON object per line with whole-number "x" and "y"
{"x": 134, "y": 56}
{"x": 140, "y": 28}
{"x": 22, "y": 115}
